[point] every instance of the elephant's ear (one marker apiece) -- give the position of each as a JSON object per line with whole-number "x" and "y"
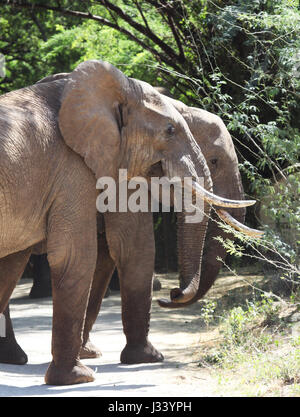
{"x": 90, "y": 118}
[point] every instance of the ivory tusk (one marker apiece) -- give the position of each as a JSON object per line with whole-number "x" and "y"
{"x": 220, "y": 201}
{"x": 224, "y": 215}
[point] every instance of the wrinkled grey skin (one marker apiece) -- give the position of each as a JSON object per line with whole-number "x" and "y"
{"x": 135, "y": 233}
{"x": 56, "y": 139}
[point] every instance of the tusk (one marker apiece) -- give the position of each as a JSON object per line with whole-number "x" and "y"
{"x": 239, "y": 226}
{"x": 219, "y": 201}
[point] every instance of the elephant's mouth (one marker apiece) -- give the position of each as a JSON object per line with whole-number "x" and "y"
{"x": 156, "y": 170}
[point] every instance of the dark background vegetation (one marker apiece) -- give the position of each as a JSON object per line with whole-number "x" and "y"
{"x": 239, "y": 59}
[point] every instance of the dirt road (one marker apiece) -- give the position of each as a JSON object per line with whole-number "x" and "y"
{"x": 176, "y": 333}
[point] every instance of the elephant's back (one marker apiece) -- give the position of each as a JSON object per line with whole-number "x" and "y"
{"x": 29, "y": 132}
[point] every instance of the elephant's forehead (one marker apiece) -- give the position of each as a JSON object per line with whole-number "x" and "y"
{"x": 205, "y": 123}
{"x": 211, "y": 135}
{"x": 219, "y": 144}
{"x": 156, "y": 102}
{"x": 206, "y": 129}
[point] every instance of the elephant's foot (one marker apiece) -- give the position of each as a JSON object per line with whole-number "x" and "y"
{"x": 11, "y": 352}
{"x": 89, "y": 351}
{"x": 144, "y": 353}
{"x": 78, "y": 374}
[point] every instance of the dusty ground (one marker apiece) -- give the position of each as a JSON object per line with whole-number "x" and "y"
{"x": 179, "y": 334}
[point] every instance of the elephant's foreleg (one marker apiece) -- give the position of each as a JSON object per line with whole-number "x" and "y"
{"x": 11, "y": 269}
{"x": 72, "y": 253}
{"x": 104, "y": 269}
{"x": 131, "y": 244}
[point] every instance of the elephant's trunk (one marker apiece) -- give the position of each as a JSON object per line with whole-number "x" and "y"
{"x": 214, "y": 253}
{"x": 190, "y": 255}
{"x": 190, "y": 249}
{"x": 212, "y": 260}
{"x": 191, "y": 236}
{"x": 189, "y": 261}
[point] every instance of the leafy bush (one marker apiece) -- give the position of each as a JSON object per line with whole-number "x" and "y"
{"x": 239, "y": 59}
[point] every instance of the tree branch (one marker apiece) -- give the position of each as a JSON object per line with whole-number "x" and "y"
{"x": 177, "y": 39}
{"x": 39, "y": 26}
{"x": 169, "y": 60}
{"x": 141, "y": 13}
{"x": 140, "y": 28}
{"x": 170, "y": 10}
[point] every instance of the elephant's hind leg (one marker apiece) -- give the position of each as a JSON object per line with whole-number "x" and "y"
{"x": 104, "y": 270}
{"x": 10, "y": 351}
{"x": 11, "y": 269}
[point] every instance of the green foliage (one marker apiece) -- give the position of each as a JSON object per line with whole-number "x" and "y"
{"x": 22, "y": 37}
{"x": 251, "y": 78}
{"x": 245, "y": 330}
{"x": 208, "y": 308}
{"x": 239, "y": 59}
{"x": 257, "y": 353}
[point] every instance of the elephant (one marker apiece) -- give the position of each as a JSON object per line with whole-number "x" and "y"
{"x": 128, "y": 240}
{"x": 57, "y": 140}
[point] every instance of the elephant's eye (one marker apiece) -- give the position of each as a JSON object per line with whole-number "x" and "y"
{"x": 170, "y": 130}
{"x": 214, "y": 161}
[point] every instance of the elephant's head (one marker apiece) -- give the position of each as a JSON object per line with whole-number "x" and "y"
{"x": 116, "y": 122}
{"x": 217, "y": 147}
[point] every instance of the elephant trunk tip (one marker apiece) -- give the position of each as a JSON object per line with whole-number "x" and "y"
{"x": 178, "y": 299}
{"x": 165, "y": 303}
